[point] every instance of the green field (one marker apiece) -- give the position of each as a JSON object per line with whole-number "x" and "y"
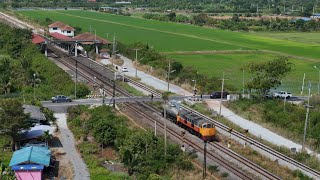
{"x": 166, "y": 36}
{"x": 173, "y": 37}
{"x": 304, "y": 37}
{"x": 231, "y": 64}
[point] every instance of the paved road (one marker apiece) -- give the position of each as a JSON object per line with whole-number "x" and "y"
{"x": 98, "y": 101}
{"x": 67, "y": 140}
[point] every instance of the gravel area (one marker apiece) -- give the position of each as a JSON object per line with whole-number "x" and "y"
{"x": 67, "y": 140}
{"x": 149, "y": 79}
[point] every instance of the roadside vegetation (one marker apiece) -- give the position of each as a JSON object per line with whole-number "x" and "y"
{"x": 100, "y": 129}
{"x": 25, "y": 72}
{"x": 287, "y": 119}
{"x": 309, "y": 160}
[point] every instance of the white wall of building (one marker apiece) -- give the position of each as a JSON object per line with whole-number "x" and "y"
{"x": 58, "y": 30}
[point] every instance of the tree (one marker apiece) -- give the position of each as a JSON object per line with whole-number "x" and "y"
{"x": 5, "y": 74}
{"x": 46, "y": 136}
{"x": 12, "y": 119}
{"x": 267, "y": 75}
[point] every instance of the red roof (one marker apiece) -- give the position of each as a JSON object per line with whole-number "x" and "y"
{"x": 60, "y": 36}
{"x": 37, "y": 39}
{"x": 56, "y": 25}
{"x": 90, "y": 37}
{"x": 67, "y": 28}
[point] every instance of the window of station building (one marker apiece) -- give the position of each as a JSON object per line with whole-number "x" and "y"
{"x": 68, "y": 31}
{"x": 54, "y": 28}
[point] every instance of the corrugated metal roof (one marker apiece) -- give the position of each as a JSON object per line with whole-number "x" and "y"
{"x": 31, "y": 155}
{"x": 60, "y": 36}
{"x": 56, "y": 24}
{"x": 36, "y": 39}
{"x": 27, "y": 167}
{"x": 34, "y": 111}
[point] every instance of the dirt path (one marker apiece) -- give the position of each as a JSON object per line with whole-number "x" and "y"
{"x": 67, "y": 141}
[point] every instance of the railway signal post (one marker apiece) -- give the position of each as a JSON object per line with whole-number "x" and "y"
{"x": 204, "y": 160}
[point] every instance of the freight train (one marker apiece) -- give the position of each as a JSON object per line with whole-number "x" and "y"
{"x": 193, "y": 123}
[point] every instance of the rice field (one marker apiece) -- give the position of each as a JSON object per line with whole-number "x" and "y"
{"x": 170, "y": 37}
{"x": 173, "y": 37}
{"x": 231, "y": 64}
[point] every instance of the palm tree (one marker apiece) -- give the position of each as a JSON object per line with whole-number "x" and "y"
{"x": 46, "y": 137}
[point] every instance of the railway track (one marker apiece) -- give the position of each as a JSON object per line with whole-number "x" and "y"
{"x": 90, "y": 73}
{"x": 259, "y": 145}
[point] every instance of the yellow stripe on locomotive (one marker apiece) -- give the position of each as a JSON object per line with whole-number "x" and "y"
{"x": 196, "y": 125}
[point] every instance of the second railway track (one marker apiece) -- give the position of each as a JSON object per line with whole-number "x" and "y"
{"x": 90, "y": 73}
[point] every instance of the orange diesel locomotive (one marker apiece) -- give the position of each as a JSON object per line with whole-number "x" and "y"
{"x": 191, "y": 122}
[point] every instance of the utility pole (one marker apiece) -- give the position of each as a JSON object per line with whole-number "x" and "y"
{"x": 169, "y": 69}
{"x": 113, "y": 48}
{"x": 165, "y": 131}
{"x": 222, "y": 86}
{"x": 302, "y": 87}
{"x": 112, "y": 100}
{"x": 136, "y": 60}
{"x": 306, "y": 121}
{"x": 114, "y": 93}
{"x": 205, "y": 159}
{"x": 75, "y": 81}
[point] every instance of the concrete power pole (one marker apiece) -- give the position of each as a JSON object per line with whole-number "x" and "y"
{"x": 307, "y": 118}
{"x": 136, "y": 60}
{"x": 113, "y": 48}
{"x": 222, "y": 86}
{"x": 165, "y": 131}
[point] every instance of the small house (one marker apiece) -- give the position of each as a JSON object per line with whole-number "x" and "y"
{"x": 28, "y": 163}
{"x": 315, "y": 16}
{"x": 61, "y": 28}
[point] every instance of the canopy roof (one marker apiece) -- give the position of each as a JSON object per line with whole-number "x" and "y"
{"x": 31, "y": 155}
{"x": 90, "y": 37}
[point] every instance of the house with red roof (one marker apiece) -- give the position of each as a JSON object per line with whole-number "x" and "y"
{"x": 61, "y": 28}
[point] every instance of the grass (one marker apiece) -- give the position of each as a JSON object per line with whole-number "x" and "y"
{"x": 231, "y": 64}
{"x": 304, "y": 37}
{"x": 5, "y": 155}
{"x": 166, "y": 36}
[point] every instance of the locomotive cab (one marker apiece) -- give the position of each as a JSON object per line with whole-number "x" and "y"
{"x": 208, "y": 131}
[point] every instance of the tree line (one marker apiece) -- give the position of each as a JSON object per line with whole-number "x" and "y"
{"x": 25, "y": 71}
{"x": 198, "y": 6}
{"x": 236, "y": 23}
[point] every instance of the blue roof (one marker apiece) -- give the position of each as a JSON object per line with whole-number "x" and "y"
{"x": 318, "y": 14}
{"x": 303, "y": 18}
{"x": 31, "y": 155}
{"x": 27, "y": 167}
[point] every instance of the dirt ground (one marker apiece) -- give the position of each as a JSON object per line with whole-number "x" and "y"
{"x": 62, "y": 167}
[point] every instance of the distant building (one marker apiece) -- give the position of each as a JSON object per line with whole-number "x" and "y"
{"x": 28, "y": 163}
{"x": 123, "y": 2}
{"x": 61, "y": 28}
{"x": 109, "y": 9}
{"x": 91, "y": 0}
{"x": 315, "y": 16}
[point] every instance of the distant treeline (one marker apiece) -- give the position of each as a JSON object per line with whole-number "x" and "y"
{"x": 209, "y": 6}
{"x": 236, "y": 23}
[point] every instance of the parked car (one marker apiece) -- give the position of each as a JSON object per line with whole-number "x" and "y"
{"x": 124, "y": 69}
{"x": 282, "y": 94}
{"x": 60, "y": 98}
{"x": 217, "y": 94}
